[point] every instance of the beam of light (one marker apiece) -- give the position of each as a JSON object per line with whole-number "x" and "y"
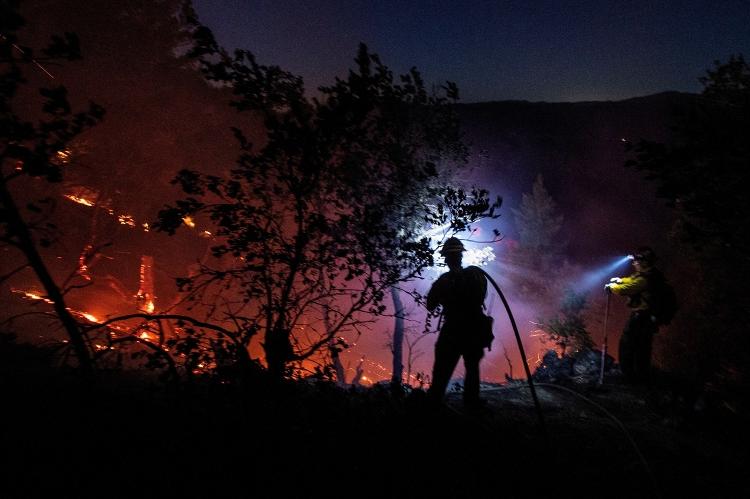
{"x": 601, "y": 275}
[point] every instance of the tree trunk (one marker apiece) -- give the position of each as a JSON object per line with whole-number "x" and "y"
{"x": 398, "y": 339}
{"x": 338, "y": 367}
{"x": 18, "y": 228}
{"x": 357, "y": 379}
{"x": 278, "y": 351}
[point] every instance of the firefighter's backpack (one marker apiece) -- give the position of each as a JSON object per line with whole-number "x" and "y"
{"x": 663, "y": 300}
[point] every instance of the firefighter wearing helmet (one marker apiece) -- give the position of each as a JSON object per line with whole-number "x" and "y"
{"x": 640, "y": 289}
{"x": 460, "y": 292}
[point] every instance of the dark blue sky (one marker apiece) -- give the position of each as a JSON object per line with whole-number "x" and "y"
{"x": 496, "y": 50}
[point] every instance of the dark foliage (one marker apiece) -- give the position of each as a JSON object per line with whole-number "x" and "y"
{"x": 703, "y": 175}
{"x": 126, "y": 435}
{"x": 327, "y": 212}
{"x": 567, "y": 330}
{"x": 31, "y": 151}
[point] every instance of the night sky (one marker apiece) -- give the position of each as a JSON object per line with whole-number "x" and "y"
{"x": 496, "y": 50}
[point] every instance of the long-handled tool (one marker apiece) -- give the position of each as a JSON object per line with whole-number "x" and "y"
{"x": 604, "y": 343}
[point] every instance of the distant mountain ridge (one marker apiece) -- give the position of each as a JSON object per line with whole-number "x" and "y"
{"x": 579, "y": 149}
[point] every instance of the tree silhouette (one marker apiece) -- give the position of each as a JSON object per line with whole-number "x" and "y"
{"x": 320, "y": 216}
{"x": 36, "y": 151}
{"x": 540, "y": 246}
{"x": 703, "y": 175}
{"x": 568, "y": 329}
{"x": 539, "y": 224}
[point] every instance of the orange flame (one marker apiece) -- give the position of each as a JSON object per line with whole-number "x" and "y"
{"x": 80, "y": 200}
{"x": 32, "y": 295}
{"x": 90, "y": 317}
{"x": 126, "y": 220}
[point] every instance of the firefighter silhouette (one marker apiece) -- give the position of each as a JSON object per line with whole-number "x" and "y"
{"x": 460, "y": 292}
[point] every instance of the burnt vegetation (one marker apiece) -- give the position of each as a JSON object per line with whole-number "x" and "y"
{"x": 314, "y": 226}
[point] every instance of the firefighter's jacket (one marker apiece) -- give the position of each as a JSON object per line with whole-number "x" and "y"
{"x": 461, "y": 293}
{"x": 636, "y": 288}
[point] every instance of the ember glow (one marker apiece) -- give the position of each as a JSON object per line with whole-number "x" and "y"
{"x": 90, "y": 317}
{"x": 83, "y": 267}
{"x": 89, "y": 198}
{"x": 80, "y": 200}
{"x": 145, "y": 296}
{"x": 126, "y": 220}
{"x": 63, "y": 156}
{"x": 39, "y": 296}
{"x": 32, "y": 295}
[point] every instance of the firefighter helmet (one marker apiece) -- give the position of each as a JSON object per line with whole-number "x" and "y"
{"x": 645, "y": 254}
{"x": 452, "y": 245}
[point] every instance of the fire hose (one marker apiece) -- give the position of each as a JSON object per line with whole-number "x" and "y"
{"x": 537, "y": 406}
{"x": 532, "y": 388}
{"x": 619, "y": 424}
{"x": 530, "y": 381}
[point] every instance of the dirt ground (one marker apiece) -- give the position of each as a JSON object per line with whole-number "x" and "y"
{"x": 129, "y": 435}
